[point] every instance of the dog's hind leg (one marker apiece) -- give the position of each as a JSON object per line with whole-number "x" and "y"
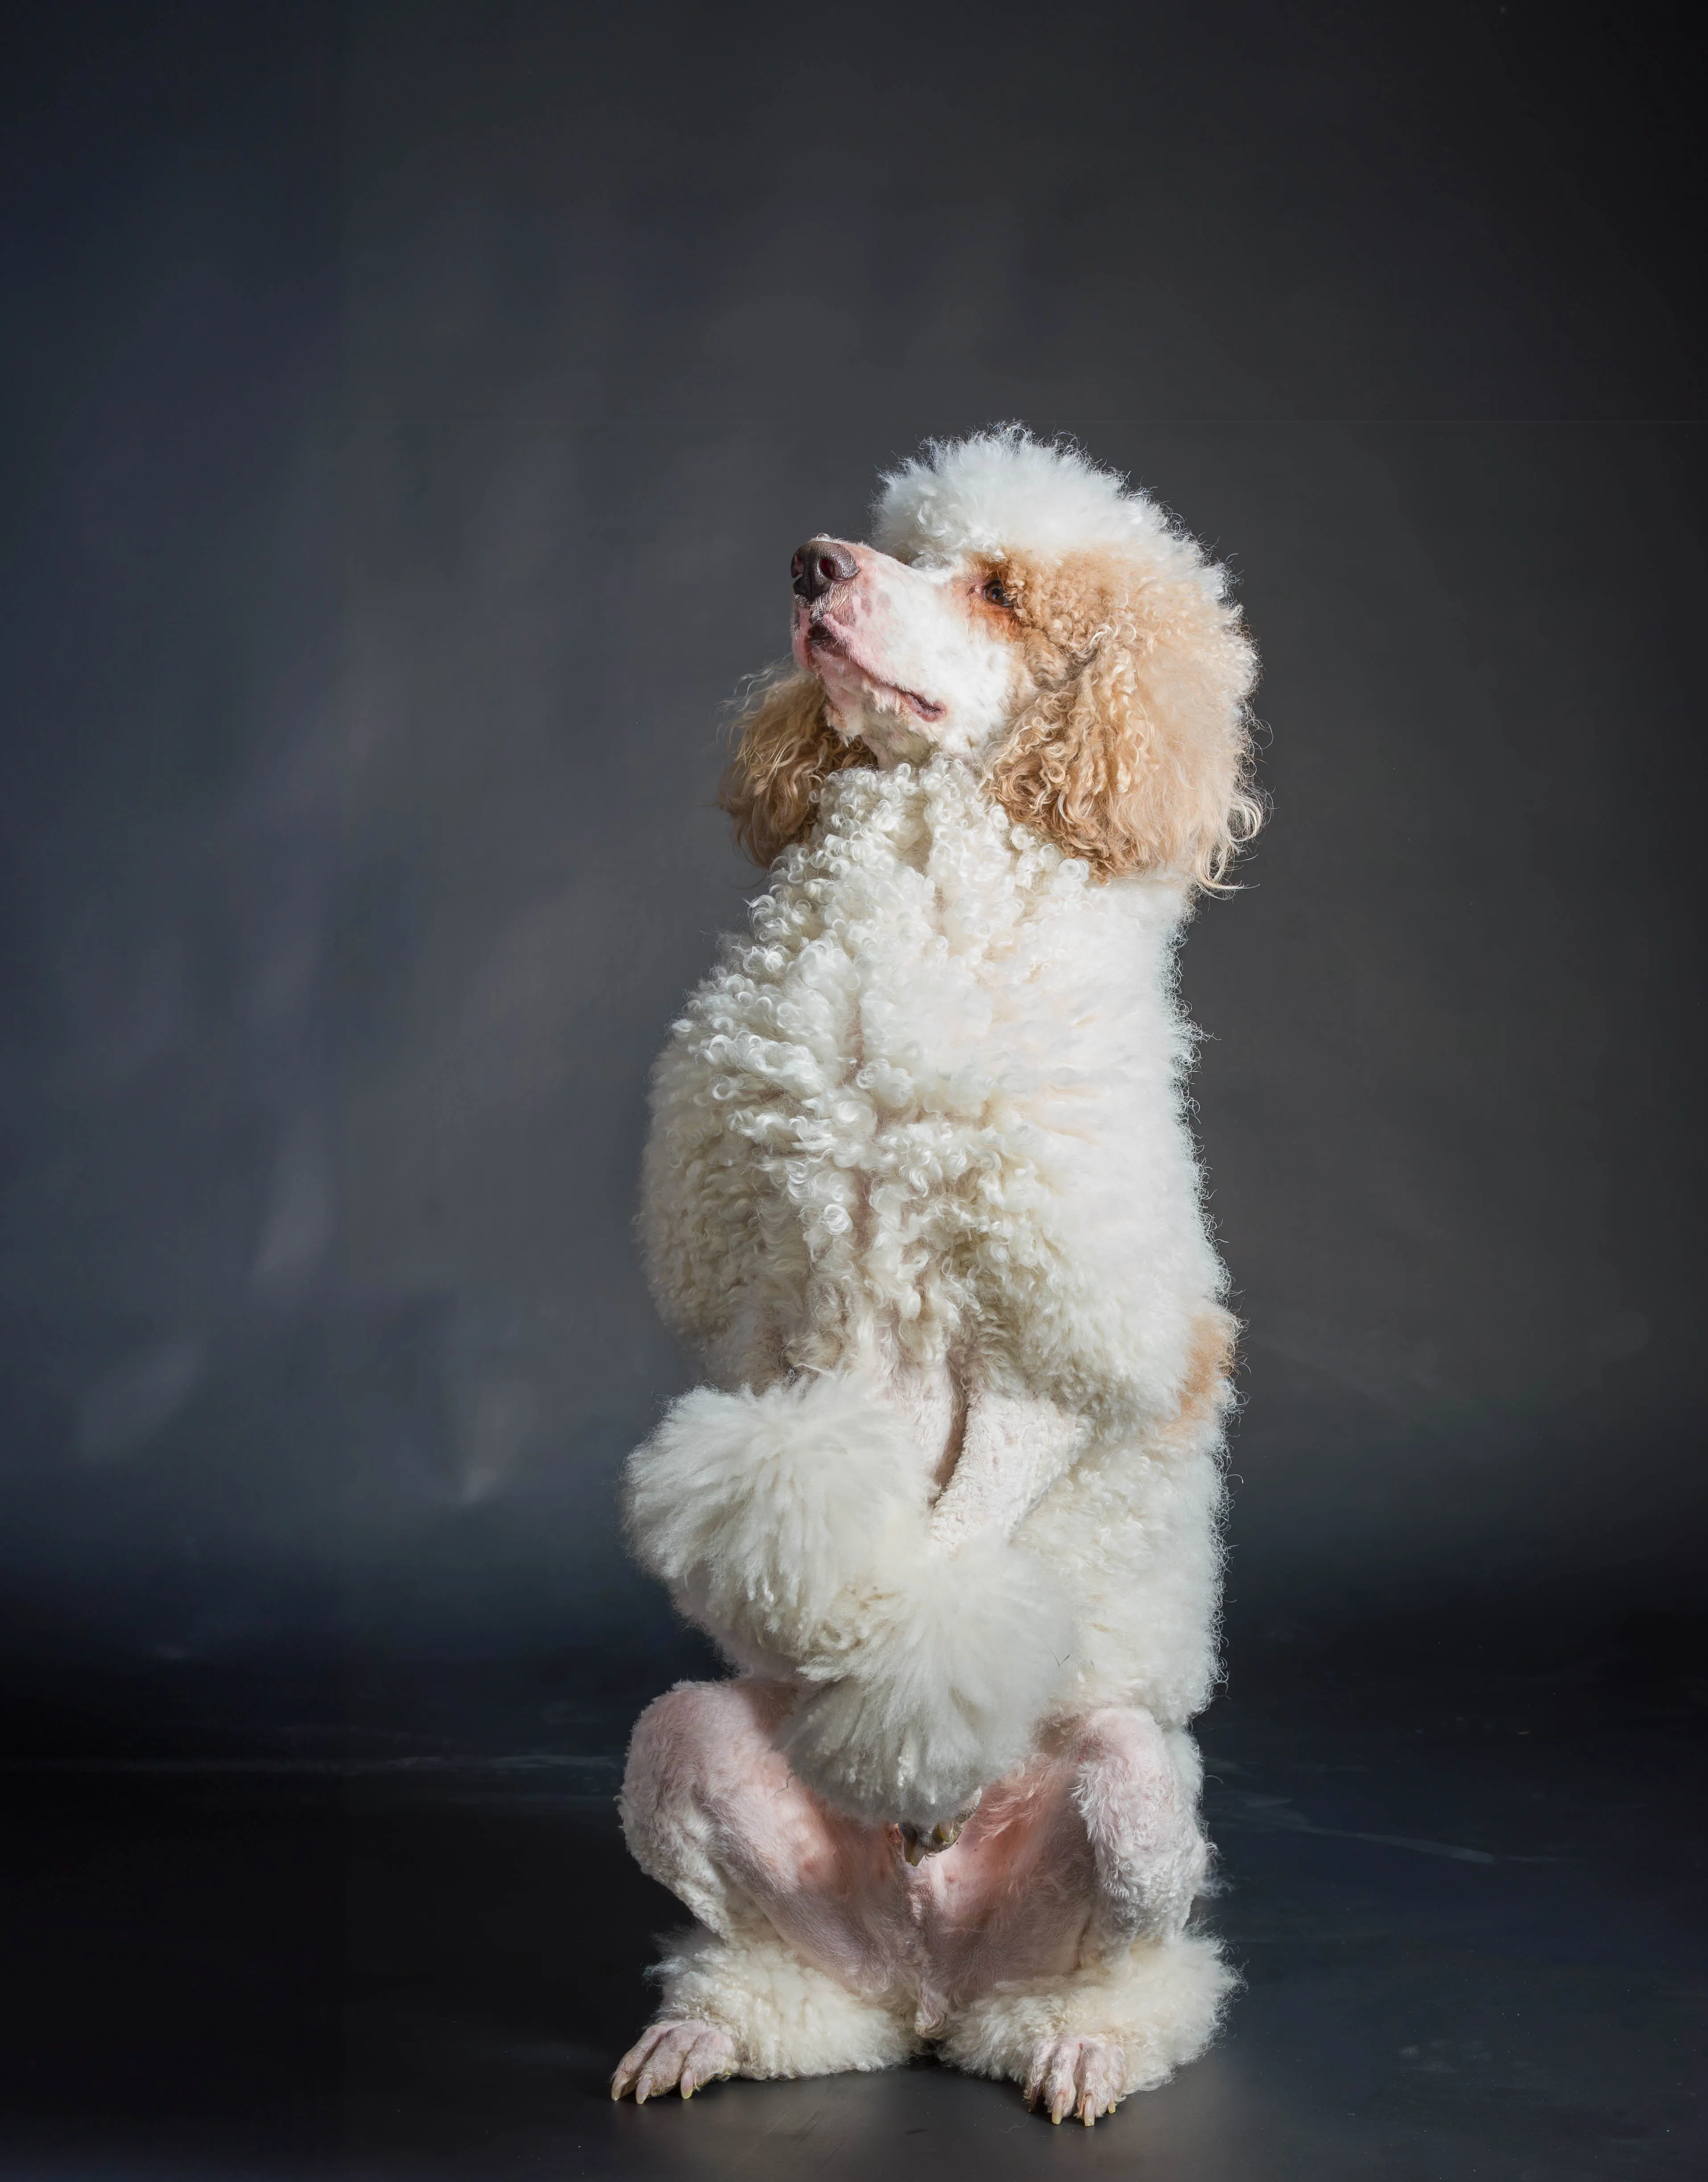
{"x": 1144, "y": 1994}
{"x": 1079, "y": 2045}
{"x": 795, "y": 1968}
{"x": 1136, "y": 1788}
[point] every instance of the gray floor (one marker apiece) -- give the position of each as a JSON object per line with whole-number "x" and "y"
{"x": 1467, "y": 1909}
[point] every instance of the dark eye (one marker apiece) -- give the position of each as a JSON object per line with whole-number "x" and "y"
{"x": 993, "y": 590}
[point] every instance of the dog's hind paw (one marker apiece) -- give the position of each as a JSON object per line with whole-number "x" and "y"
{"x": 669, "y": 2056}
{"x": 1079, "y": 2076}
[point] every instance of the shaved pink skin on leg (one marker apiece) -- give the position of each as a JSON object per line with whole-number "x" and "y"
{"x": 1091, "y": 1845}
{"x": 712, "y": 1811}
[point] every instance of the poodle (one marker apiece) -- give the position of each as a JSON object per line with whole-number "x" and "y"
{"x": 921, "y": 1190}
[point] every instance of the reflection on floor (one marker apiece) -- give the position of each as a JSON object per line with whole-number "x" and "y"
{"x": 1467, "y": 1906}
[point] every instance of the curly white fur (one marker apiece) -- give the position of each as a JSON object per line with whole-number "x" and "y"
{"x": 932, "y": 1103}
{"x": 1005, "y": 491}
{"x": 921, "y": 1188}
{"x": 933, "y": 1099}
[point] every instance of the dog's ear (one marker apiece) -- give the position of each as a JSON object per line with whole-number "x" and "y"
{"x": 1135, "y": 754}
{"x": 785, "y": 748}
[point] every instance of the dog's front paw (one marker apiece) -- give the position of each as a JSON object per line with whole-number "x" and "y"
{"x": 1080, "y": 2076}
{"x": 939, "y": 1689}
{"x": 670, "y": 2057}
{"x": 889, "y": 1754}
{"x": 918, "y": 1842}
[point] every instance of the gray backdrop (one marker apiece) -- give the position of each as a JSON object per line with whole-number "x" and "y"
{"x": 413, "y": 410}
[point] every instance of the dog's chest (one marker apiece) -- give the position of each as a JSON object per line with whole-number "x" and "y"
{"x": 912, "y": 974}
{"x": 920, "y": 1088}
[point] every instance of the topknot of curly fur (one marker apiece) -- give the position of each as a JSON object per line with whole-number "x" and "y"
{"x": 1005, "y": 491}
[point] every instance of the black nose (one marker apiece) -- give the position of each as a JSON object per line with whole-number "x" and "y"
{"x": 819, "y": 563}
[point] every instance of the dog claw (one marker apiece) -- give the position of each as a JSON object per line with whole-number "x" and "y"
{"x": 1079, "y": 2076}
{"x": 917, "y": 1845}
{"x": 670, "y": 2057}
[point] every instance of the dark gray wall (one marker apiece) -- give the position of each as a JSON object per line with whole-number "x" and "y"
{"x": 413, "y": 412}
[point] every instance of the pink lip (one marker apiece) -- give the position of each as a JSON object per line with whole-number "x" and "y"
{"x": 823, "y": 635}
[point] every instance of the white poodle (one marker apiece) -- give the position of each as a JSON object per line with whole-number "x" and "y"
{"x": 922, "y": 1190}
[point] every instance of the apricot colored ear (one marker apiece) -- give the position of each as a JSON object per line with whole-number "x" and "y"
{"x": 1140, "y": 759}
{"x": 785, "y": 748}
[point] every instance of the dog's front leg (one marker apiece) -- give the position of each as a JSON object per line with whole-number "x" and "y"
{"x": 1013, "y": 1446}
{"x": 941, "y": 1694}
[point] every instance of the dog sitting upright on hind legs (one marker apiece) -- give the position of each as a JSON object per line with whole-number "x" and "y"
{"x": 922, "y": 1190}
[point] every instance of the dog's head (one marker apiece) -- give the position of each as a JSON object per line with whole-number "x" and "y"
{"x": 1026, "y": 611}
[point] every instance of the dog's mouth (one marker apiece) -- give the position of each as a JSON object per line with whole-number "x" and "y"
{"x": 820, "y": 639}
